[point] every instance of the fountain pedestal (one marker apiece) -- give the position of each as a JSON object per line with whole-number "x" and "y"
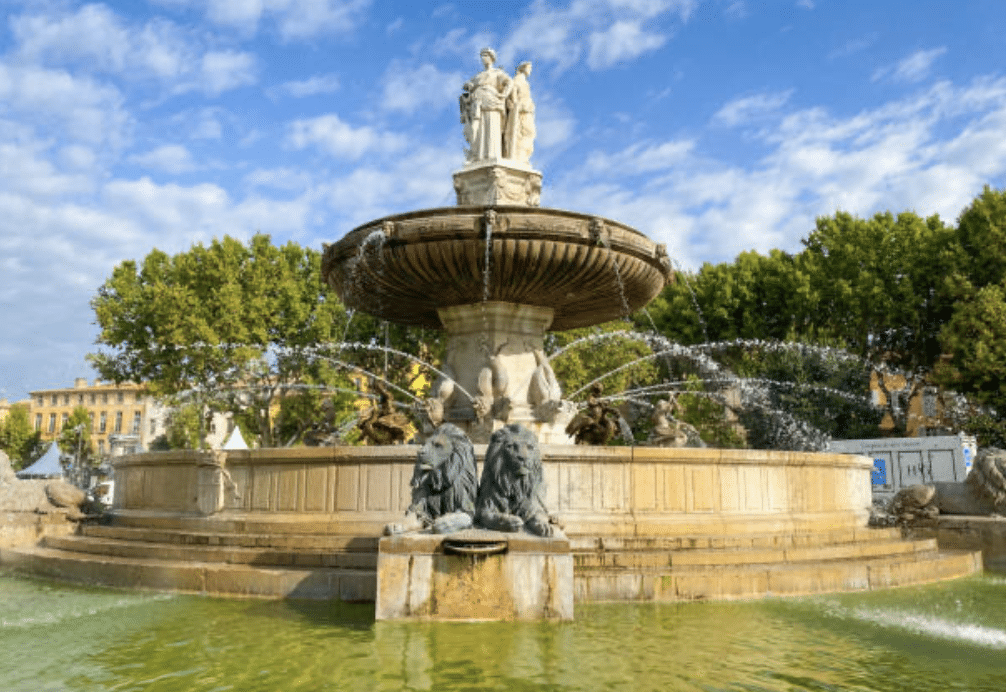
{"x": 474, "y": 575}
{"x": 491, "y": 352}
{"x": 498, "y": 181}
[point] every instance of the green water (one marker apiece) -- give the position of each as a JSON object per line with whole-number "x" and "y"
{"x": 949, "y": 636}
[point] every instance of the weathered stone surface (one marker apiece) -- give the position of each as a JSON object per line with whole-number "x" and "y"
{"x": 418, "y": 578}
{"x": 62, "y": 494}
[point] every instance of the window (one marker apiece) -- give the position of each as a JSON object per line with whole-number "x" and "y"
{"x": 104, "y": 398}
{"x": 120, "y": 397}
{"x": 41, "y": 401}
{"x": 929, "y": 400}
{"x": 38, "y": 421}
{"x": 66, "y": 400}
{"x": 93, "y": 399}
{"x": 153, "y": 426}
{"x": 80, "y": 399}
{"x": 102, "y": 422}
{"x": 90, "y": 417}
{"x": 101, "y": 446}
{"x": 52, "y": 422}
{"x": 62, "y": 423}
{"x": 53, "y": 399}
{"x": 118, "y": 421}
{"x": 136, "y": 422}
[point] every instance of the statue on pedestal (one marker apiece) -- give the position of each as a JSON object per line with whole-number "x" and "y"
{"x": 483, "y": 109}
{"x": 518, "y": 137}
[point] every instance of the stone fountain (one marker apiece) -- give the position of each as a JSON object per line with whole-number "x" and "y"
{"x": 496, "y": 272}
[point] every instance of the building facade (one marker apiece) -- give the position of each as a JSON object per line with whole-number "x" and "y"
{"x": 122, "y": 416}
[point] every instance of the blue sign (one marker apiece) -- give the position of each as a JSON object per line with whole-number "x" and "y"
{"x": 879, "y": 474}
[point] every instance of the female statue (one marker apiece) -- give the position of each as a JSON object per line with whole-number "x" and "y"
{"x": 483, "y": 109}
{"x": 518, "y": 138}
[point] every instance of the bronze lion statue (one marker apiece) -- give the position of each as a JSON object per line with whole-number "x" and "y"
{"x": 512, "y": 490}
{"x": 444, "y": 484}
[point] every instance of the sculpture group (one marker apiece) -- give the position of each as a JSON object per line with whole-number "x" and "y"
{"x": 497, "y": 113}
{"x": 982, "y": 493}
{"x": 509, "y": 498}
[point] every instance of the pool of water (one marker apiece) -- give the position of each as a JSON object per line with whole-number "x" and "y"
{"x": 949, "y": 636}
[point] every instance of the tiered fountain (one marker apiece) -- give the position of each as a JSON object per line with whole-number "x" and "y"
{"x": 496, "y": 272}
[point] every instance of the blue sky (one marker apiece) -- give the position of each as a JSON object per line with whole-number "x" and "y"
{"x": 715, "y": 126}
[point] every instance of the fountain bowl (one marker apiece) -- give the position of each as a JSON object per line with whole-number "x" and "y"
{"x": 586, "y": 269}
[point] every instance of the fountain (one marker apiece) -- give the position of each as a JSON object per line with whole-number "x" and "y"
{"x": 497, "y": 272}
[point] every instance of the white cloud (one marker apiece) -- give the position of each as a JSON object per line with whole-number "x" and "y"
{"x": 424, "y": 87}
{"x": 606, "y": 31}
{"x": 744, "y": 109}
{"x": 914, "y": 68}
{"x": 77, "y": 108}
{"x": 224, "y": 70}
{"x": 312, "y": 86}
{"x": 294, "y": 19}
{"x": 806, "y": 4}
{"x": 330, "y": 134}
{"x": 171, "y": 158}
{"x": 624, "y": 41}
{"x": 895, "y": 157}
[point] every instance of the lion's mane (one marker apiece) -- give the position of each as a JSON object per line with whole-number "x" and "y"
{"x": 452, "y": 484}
{"x": 504, "y": 489}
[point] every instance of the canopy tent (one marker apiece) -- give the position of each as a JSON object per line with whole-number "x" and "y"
{"x": 47, "y": 466}
{"x": 236, "y": 440}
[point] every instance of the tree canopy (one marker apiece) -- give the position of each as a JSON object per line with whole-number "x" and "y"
{"x": 228, "y": 326}
{"x": 19, "y": 439}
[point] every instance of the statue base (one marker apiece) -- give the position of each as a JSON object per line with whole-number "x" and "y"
{"x": 498, "y": 181}
{"x": 474, "y": 575}
{"x": 505, "y": 335}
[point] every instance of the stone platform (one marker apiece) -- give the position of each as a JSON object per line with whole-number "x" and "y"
{"x": 643, "y": 524}
{"x": 474, "y": 575}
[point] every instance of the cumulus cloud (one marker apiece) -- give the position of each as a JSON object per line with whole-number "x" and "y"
{"x": 898, "y": 156}
{"x": 312, "y": 86}
{"x": 171, "y": 158}
{"x": 604, "y": 32}
{"x": 340, "y": 139}
{"x": 424, "y": 87}
{"x": 293, "y": 19}
{"x": 913, "y": 68}
{"x": 159, "y": 49}
{"x": 746, "y": 108}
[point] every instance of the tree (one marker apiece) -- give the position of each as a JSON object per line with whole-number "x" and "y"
{"x": 231, "y": 326}
{"x": 75, "y": 438}
{"x": 19, "y": 439}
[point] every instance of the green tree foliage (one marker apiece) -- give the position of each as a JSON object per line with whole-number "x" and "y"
{"x": 75, "y": 437}
{"x": 583, "y": 363}
{"x": 755, "y": 297}
{"x": 975, "y": 336}
{"x": 19, "y": 439}
{"x": 233, "y": 326}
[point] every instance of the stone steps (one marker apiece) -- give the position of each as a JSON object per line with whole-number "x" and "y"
{"x": 186, "y": 552}
{"x": 625, "y": 559}
{"x": 703, "y": 582}
{"x": 721, "y": 542}
{"x": 210, "y": 578}
{"x": 282, "y": 541}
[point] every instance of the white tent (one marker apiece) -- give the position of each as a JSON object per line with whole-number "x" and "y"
{"x": 235, "y": 441}
{"x": 47, "y": 466}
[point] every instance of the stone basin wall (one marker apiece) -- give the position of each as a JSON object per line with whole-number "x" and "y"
{"x": 597, "y": 491}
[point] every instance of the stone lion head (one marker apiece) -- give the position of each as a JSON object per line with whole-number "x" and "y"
{"x": 512, "y": 479}
{"x": 444, "y": 479}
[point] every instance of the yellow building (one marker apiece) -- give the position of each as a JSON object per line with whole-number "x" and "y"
{"x": 122, "y": 415}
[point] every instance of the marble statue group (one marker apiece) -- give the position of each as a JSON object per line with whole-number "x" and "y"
{"x": 497, "y": 113}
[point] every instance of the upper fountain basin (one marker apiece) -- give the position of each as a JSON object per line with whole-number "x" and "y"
{"x": 587, "y": 269}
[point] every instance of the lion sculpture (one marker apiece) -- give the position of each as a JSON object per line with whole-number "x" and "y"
{"x": 982, "y": 493}
{"x": 444, "y": 485}
{"x": 512, "y": 490}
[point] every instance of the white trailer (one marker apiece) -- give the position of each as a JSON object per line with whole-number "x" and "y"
{"x": 902, "y": 461}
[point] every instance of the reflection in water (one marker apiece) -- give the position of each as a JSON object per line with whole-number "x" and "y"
{"x": 942, "y": 637}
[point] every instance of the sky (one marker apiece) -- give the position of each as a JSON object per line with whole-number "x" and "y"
{"x": 714, "y": 126}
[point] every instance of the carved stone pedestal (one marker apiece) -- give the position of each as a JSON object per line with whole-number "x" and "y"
{"x": 498, "y": 181}
{"x": 491, "y": 355}
{"x": 474, "y": 575}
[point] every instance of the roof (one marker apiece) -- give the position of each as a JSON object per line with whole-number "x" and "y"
{"x": 47, "y": 466}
